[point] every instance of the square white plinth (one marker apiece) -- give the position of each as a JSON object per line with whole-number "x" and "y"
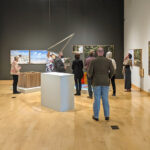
{"x": 57, "y": 91}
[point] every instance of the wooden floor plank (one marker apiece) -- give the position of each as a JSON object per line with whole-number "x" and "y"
{"x": 26, "y": 125}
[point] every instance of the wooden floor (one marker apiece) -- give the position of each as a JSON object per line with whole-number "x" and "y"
{"x": 26, "y": 125}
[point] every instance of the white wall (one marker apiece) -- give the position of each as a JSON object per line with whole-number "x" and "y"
{"x": 137, "y": 35}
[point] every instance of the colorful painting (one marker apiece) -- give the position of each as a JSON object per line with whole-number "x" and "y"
{"x": 88, "y": 48}
{"x": 149, "y": 58}
{"x": 22, "y": 54}
{"x": 77, "y": 49}
{"x": 138, "y": 57}
{"x": 38, "y": 56}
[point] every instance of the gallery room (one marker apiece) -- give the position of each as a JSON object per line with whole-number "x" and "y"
{"x": 75, "y": 75}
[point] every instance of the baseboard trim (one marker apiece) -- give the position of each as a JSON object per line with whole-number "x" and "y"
{"x": 140, "y": 89}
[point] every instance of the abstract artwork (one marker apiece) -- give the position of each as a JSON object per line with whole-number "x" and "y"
{"x": 22, "y": 54}
{"x": 138, "y": 57}
{"x": 38, "y": 56}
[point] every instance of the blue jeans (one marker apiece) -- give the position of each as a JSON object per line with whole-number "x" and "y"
{"x": 101, "y": 91}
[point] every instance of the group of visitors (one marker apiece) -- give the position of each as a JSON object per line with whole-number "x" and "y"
{"x": 54, "y": 63}
{"x": 100, "y": 70}
{"x": 77, "y": 67}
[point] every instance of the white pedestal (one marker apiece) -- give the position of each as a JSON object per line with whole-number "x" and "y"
{"x": 57, "y": 91}
{"x": 29, "y": 90}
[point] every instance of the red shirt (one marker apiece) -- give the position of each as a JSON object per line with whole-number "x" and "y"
{"x": 88, "y": 61}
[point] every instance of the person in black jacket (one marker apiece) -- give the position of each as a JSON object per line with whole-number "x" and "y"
{"x": 58, "y": 64}
{"x": 77, "y": 67}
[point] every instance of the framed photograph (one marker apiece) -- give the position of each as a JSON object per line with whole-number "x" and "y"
{"x": 77, "y": 49}
{"x": 138, "y": 57}
{"x": 38, "y": 56}
{"x": 22, "y": 54}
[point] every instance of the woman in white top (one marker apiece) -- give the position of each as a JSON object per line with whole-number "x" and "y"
{"x": 109, "y": 56}
{"x": 49, "y": 64}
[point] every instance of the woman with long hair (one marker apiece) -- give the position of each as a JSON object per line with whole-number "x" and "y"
{"x": 127, "y": 72}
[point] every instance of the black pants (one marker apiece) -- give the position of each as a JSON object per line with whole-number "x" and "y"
{"x": 15, "y": 82}
{"x": 90, "y": 86}
{"x": 127, "y": 78}
{"x": 78, "y": 85}
{"x": 113, "y": 84}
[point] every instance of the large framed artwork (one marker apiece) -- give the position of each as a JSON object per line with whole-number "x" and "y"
{"x": 38, "y": 56}
{"x": 88, "y": 48}
{"x": 77, "y": 49}
{"x": 149, "y": 57}
{"x": 138, "y": 57}
{"x": 22, "y": 54}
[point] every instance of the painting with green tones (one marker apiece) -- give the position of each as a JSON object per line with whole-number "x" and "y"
{"x": 88, "y": 48}
{"x": 138, "y": 57}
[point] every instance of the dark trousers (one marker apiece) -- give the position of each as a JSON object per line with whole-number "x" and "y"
{"x": 15, "y": 82}
{"x": 90, "y": 86}
{"x": 78, "y": 85}
{"x": 113, "y": 84}
{"x": 127, "y": 78}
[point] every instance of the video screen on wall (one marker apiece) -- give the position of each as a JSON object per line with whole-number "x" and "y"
{"x": 22, "y": 54}
{"x": 38, "y": 56}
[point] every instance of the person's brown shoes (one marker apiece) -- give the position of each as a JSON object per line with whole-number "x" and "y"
{"x": 90, "y": 97}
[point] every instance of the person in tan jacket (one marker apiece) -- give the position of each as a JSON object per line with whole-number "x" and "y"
{"x": 15, "y": 71}
{"x": 100, "y": 71}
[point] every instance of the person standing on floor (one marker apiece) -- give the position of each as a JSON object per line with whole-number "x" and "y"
{"x": 87, "y": 64}
{"x": 109, "y": 56}
{"x": 100, "y": 71}
{"x": 49, "y": 63}
{"x": 127, "y": 72}
{"x": 77, "y": 67}
{"x": 58, "y": 64}
{"x": 15, "y": 71}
